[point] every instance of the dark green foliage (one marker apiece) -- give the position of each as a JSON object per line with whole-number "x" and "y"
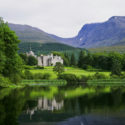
{"x": 59, "y": 68}
{"x": 98, "y": 75}
{"x": 45, "y": 48}
{"x": 82, "y": 60}
{"x": 32, "y": 61}
{"x": 114, "y": 62}
{"x": 4, "y": 81}
{"x": 116, "y": 67}
{"x": 28, "y": 75}
{"x": 11, "y": 63}
{"x": 24, "y": 58}
{"x": 39, "y": 67}
{"x": 73, "y": 60}
{"x": 70, "y": 78}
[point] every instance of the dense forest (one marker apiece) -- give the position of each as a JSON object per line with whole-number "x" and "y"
{"x": 45, "y": 48}
{"x": 113, "y": 61}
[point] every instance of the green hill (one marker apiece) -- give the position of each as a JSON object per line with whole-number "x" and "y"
{"x": 28, "y": 33}
{"x": 119, "y": 48}
{"x": 46, "y": 48}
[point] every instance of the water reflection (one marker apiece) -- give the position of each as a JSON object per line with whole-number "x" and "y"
{"x": 62, "y": 106}
{"x": 45, "y": 104}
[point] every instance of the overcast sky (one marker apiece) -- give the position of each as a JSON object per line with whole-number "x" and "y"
{"x": 61, "y": 17}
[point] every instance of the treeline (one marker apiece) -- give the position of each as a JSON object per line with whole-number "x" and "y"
{"x": 28, "y": 60}
{"x": 113, "y": 61}
{"x": 10, "y": 61}
{"x": 44, "y": 48}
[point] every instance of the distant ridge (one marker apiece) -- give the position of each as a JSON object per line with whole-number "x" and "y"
{"x": 28, "y": 33}
{"x": 109, "y": 33}
{"x": 94, "y": 35}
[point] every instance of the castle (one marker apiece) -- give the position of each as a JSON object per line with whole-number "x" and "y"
{"x": 46, "y": 60}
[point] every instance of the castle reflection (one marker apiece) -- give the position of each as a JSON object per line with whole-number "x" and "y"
{"x": 45, "y": 104}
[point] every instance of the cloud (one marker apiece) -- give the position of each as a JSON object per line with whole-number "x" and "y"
{"x": 60, "y": 17}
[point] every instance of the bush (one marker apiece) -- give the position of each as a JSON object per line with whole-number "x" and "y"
{"x": 68, "y": 77}
{"x": 39, "y": 67}
{"x": 46, "y": 76}
{"x": 28, "y": 75}
{"x": 98, "y": 75}
{"x": 38, "y": 76}
{"x": 16, "y": 78}
{"x": 115, "y": 76}
{"x": 84, "y": 79}
{"x": 4, "y": 81}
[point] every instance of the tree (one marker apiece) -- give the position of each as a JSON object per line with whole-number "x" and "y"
{"x": 59, "y": 68}
{"x": 9, "y": 41}
{"x": 32, "y": 61}
{"x": 73, "y": 60}
{"x": 2, "y": 48}
{"x": 116, "y": 67}
{"x": 82, "y": 56}
{"x": 24, "y": 58}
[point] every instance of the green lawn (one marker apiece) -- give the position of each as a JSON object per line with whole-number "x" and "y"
{"x": 78, "y": 72}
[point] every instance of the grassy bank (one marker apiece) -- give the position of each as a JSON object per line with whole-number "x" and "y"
{"x": 68, "y": 70}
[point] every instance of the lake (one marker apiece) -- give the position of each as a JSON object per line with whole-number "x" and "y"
{"x": 74, "y": 105}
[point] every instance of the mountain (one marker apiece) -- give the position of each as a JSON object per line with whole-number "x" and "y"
{"x": 28, "y": 33}
{"x": 39, "y": 41}
{"x": 109, "y": 33}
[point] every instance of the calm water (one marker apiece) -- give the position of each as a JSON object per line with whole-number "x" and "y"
{"x": 62, "y": 106}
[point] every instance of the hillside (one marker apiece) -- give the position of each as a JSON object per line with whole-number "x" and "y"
{"x": 119, "y": 48}
{"x": 46, "y": 48}
{"x": 109, "y": 33}
{"x": 28, "y": 33}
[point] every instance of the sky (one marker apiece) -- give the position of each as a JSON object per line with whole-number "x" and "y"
{"x": 60, "y": 17}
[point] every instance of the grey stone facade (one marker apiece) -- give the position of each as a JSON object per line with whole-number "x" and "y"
{"x": 46, "y": 60}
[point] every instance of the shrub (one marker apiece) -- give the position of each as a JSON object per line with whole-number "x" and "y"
{"x": 28, "y": 75}
{"x": 4, "y": 81}
{"x": 98, "y": 75}
{"x": 16, "y": 78}
{"x": 114, "y": 76}
{"x": 39, "y": 67}
{"x": 84, "y": 78}
{"x": 38, "y": 76}
{"x": 46, "y": 76}
{"x": 68, "y": 77}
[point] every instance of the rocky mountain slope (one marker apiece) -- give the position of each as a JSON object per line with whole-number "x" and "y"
{"x": 109, "y": 33}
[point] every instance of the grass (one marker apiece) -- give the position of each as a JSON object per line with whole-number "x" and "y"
{"x": 68, "y": 70}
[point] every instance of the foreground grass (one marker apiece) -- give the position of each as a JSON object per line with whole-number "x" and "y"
{"x": 68, "y": 70}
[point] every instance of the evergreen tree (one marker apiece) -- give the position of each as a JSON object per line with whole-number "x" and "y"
{"x": 73, "y": 60}
{"x": 116, "y": 67}
{"x": 81, "y": 60}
